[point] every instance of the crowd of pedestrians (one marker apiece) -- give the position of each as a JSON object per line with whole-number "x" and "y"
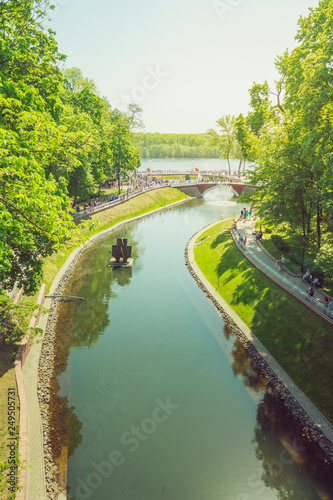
{"x": 138, "y": 182}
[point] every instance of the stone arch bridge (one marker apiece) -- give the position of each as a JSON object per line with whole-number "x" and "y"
{"x": 197, "y": 189}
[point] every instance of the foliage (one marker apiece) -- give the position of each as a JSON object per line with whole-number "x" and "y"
{"x": 33, "y": 206}
{"x": 324, "y": 259}
{"x": 292, "y": 140}
{"x": 55, "y": 135}
{"x": 13, "y": 317}
{"x": 174, "y": 146}
{"x": 125, "y": 157}
{"x": 225, "y": 139}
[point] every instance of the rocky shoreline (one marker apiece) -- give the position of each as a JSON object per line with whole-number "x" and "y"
{"x": 310, "y": 429}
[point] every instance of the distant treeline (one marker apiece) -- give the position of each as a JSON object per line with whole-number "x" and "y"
{"x": 175, "y": 146}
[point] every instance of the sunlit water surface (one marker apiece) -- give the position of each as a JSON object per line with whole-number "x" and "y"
{"x": 155, "y": 408}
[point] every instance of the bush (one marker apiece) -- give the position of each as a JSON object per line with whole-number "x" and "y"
{"x": 280, "y": 243}
{"x": 295, "y": 257}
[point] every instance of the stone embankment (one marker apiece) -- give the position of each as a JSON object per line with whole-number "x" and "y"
{"x": 311, "y": 430}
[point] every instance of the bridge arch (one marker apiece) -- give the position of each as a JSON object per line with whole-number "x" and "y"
{"x": 197, "y": 189}
{"x": 227, "y": 186}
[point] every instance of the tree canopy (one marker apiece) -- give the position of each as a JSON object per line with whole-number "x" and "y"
{"x": 55, "y": 136}
{"x": 289, "y": 131}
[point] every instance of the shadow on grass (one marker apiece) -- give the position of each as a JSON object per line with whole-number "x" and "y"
{"x": 7, "y": 357}
{"x": 300, "y": 341}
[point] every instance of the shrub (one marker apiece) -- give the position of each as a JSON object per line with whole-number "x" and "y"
{"x": 280, "y": 243}
{"x": 295, "y": 257}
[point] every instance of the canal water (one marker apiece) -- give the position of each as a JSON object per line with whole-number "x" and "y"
{"x": 154, "y": 398}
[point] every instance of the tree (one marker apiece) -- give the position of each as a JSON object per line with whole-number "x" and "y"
{"x": 134, "y": 118}
{"x": 125, "y": 157}
{"x": 74, "y": 81}
{"x": 226, "y": 138}
{"x": 33, "y": 206}
{"x": 294, "y": 138}
{"x": 243, "y": 137}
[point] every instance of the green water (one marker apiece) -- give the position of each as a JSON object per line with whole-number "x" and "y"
{"x": 164, "y": 403}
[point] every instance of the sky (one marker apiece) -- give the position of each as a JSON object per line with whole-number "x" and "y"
{"x": 185, "y": 62}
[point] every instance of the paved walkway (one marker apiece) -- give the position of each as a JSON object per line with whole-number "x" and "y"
{"x": 319, "y": 421}
{"x": 267, "y": 265}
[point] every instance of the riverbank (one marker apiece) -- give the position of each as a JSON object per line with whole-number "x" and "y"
{"x": 285, "y": 328}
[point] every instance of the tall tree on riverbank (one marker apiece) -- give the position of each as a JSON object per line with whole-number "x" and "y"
{"x": 33, "y": 218}
{"x": 125, "y": 157}
{"x": 295, "y": 135}
{"x": 225, "y": 138}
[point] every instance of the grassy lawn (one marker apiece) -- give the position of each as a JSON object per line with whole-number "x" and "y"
{"x": 299, "y": 340}
{"x": 7, "y": 382}
{"x": 134, "y": 207}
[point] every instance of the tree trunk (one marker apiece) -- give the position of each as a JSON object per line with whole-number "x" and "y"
{"x": 74, "y": 201}
{"x": 309, "y": 224}
{"x": 240, "y": 167}
{"x": 118, "y": 177}
{"x": 229, "y": 167}
{"x": 304, "y": 236}
{"x": 318, "y": 228}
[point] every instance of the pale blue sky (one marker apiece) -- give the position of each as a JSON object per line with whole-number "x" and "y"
{"x": 185, "y": 62}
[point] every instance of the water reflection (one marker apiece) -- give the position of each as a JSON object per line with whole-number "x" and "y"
{"x": 162, "y": 339}
{"x": 123, "y": 276}
{"x": 277, "y": 428}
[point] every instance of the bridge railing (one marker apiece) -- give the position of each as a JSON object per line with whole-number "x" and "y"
{"x": 119, "y": 199}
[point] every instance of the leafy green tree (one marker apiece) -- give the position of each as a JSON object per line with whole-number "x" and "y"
{"x": 74, "y": 81}
{"x": 134, "y": 117}
{"x": 33, "y": 206}
{"x": 244, "y": 139}
{"x": 225, "y": 138}
{"x": 294, "y": 137}
{"x": 125, "y": 157}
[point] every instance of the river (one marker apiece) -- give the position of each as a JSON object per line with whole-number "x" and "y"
{"x": 153, "y": 397}
{"x": 188, "y": 164}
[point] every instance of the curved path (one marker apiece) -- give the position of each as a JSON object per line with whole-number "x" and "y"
{"x": 322, "y": 429}
{"x": 290, "y": 283}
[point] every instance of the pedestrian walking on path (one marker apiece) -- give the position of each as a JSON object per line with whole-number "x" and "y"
{"x": 310, "y": 294}
{"x": 283, "y": 261}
